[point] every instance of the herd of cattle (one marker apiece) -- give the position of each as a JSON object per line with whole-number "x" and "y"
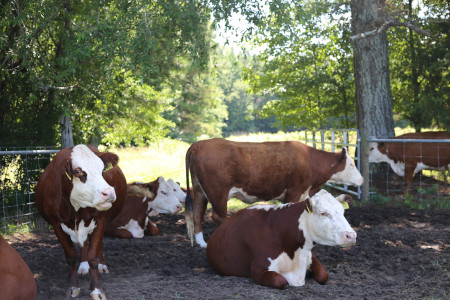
{"x": 84, "y": 195}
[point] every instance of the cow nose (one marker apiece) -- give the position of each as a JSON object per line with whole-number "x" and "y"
{"x": 349, "y": 237}
{"x": 179, "y": 207}
{"x": 108, "y": 194}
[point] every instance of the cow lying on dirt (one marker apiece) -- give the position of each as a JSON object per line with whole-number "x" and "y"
{"x": 407, "y": 159}
{"x": 287, "y": 171}
{"x": 272, "y": 244}
{"x": 16, "y": 279}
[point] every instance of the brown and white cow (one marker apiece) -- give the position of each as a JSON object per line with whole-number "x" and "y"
{"x": 16, "y": 279}
{"x": 132, "y": 221}
{"x": 287, "y": 171}
{"x": 272, "y": 244}
{"x": 74, "y": 194}
{"x": 407, "y": 159}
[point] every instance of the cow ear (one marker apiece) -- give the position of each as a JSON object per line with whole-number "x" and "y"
{"x": 68, "y": 169}
{"x": 346, "y": 200}
{"x": 308, "y": 204}
{"x": 153, "y": 186}
{"x": 343, "y": 154}
{"x": 109, "y": 159}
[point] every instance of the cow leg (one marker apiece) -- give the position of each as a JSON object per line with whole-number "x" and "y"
{"x": 152, "y": 229}
{"x": 318, "y": 271}
{"x": 102, "y": 268}
{"x": 94, "y": 253}
{"x": 219, "y": 212}
{"x": 71, "y": 257}
{"x": 83, "y": 269}
{"x": 267, "y": 278}
{"x": 199, "y": 208}
{"x": 409, "y": 175}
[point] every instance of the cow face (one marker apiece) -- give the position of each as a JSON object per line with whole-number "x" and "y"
{"x": 325, "y": 223}
{"x": 350, "y": 174}
{"x": 89, "y": 187}
{"x": 377, "y": 152}
{"x": 179, "y": 194}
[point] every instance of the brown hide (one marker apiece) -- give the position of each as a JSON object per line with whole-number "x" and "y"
{"x": 52, "y": 200}
{"x": 243, "y": 243}
{"x": 16, "y": 279}
{"x": 431, "y": 154}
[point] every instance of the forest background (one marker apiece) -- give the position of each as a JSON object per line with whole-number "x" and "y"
{"x": 131, "y": 72}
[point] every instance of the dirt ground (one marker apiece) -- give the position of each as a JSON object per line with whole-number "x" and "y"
{"x": 399, "y": 254}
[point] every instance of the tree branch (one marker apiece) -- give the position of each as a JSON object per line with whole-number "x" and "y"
{"x": 385, "y": 26}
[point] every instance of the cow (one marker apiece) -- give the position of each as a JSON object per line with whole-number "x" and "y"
{"x": 272, "y": 243}
{"x": 288, "y": 171}
{"x": 179, "y": 193}
{"x": 73, "y": 194}
{"x": 407, "y": 159}
{"x": 132, "y": 221}
{"x": 16, "y": 279}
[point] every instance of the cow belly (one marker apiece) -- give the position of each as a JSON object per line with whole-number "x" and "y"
{"x": 240, "y": 194}
{"x": 134, "y": 228}
{"x": 80, "y": 233}
{"x": 294, "y": 270}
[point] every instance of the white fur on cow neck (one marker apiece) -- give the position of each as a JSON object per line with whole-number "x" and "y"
{"x": 79, "y": 234}
{"x": 87, "y": 194}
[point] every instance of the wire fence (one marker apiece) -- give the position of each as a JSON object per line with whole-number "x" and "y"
{"x": 20, "y": 169}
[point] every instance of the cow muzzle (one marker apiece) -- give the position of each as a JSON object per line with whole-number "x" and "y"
{"x": 107, "y": 197}
{"x": 348, "y": 239}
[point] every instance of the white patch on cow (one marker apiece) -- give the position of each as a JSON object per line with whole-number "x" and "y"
{"x": 294, "y": 270}
{"x": 240, "y": 194}
{"x": 200, "y": 240}
{"x": 375, "y": 156}
{"x": 83, "y": 269}
{"x": 103, "y": 268}
{"x": 97, "y": 294}
{"x": 81, "y": 232}
{"x": 421, "y": 166}
{"x": 305, "y": 195}
{"x": 268, "y": 207}
{"x": 165, "y": 201}
{"x": 179, "y": 194}
{"x": 144, "y": 199}
{"x": 89, "y": 193}
{"x": 326, "y": 224}
{"x": 133, "y": 227}
{"x": 349, "y": 176}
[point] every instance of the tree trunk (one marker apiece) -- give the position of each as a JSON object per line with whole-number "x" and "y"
{"x": 372, "y": 84}
{"x": 66, "y": 132}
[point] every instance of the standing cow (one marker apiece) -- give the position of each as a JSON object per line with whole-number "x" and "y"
{"x": 16, "y": 279}
{"x": 73, "y": 194}
{"x": 272, "y": 244}
{"x": 287, "y": 171}
{"x": 407, "y": 159}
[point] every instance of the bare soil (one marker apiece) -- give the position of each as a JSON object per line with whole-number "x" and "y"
{"x": 399, "y": 254}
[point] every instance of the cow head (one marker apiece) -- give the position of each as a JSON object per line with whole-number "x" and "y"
{"x": 84, "y": 168}
{"x": 377, "y": 152}
{"x": 350, "y": 174}
{"x": 159, "y": 195}
{"x": 324, "y": 220}
{"x": 179, "y": 194}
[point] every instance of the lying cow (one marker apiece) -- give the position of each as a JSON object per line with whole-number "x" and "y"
{"x": 287, "y": 171}
{"x": 133, "y": 221}
{"x": 73, "y": 194}
{"x": 272, "y": 244}
{"x": 16, "y": 279}
{"x": 178, "y": 191}
{"x": 407, "y": 159}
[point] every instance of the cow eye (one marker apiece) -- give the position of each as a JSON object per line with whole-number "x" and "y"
{"x": 164, "y": 193}
{"x": 324, "y": 214}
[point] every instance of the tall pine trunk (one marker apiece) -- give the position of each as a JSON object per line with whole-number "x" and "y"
{"x": 372, "y": 83}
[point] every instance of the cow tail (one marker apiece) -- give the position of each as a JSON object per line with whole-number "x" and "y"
{"x": 189, "y": 214}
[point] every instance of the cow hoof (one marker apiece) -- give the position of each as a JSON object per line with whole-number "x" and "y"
{"x": 98, "y": 294}
{"x": 83, "y": 269}
{"x": 103, "y": 269}
{"x": 73, "y": 292}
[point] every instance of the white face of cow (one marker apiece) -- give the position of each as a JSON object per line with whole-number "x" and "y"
{"x": 350, "y": 175}
{"x": 326, "y": 224}
{"x": 179, "y": 194}
{"x": 165, "y": 201}
{"x": 89, "y": 187}
{"x": 375, "y": 156}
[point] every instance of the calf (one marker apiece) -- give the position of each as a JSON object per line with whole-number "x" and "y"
{"x": 16, "y": 279}
{"x": 287, "y": 171}
{"x": 132, "y": 220}
{"x": 407, "y": 159}
{"x": 74, "y": 194}
{"x": 272, "y": 244}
